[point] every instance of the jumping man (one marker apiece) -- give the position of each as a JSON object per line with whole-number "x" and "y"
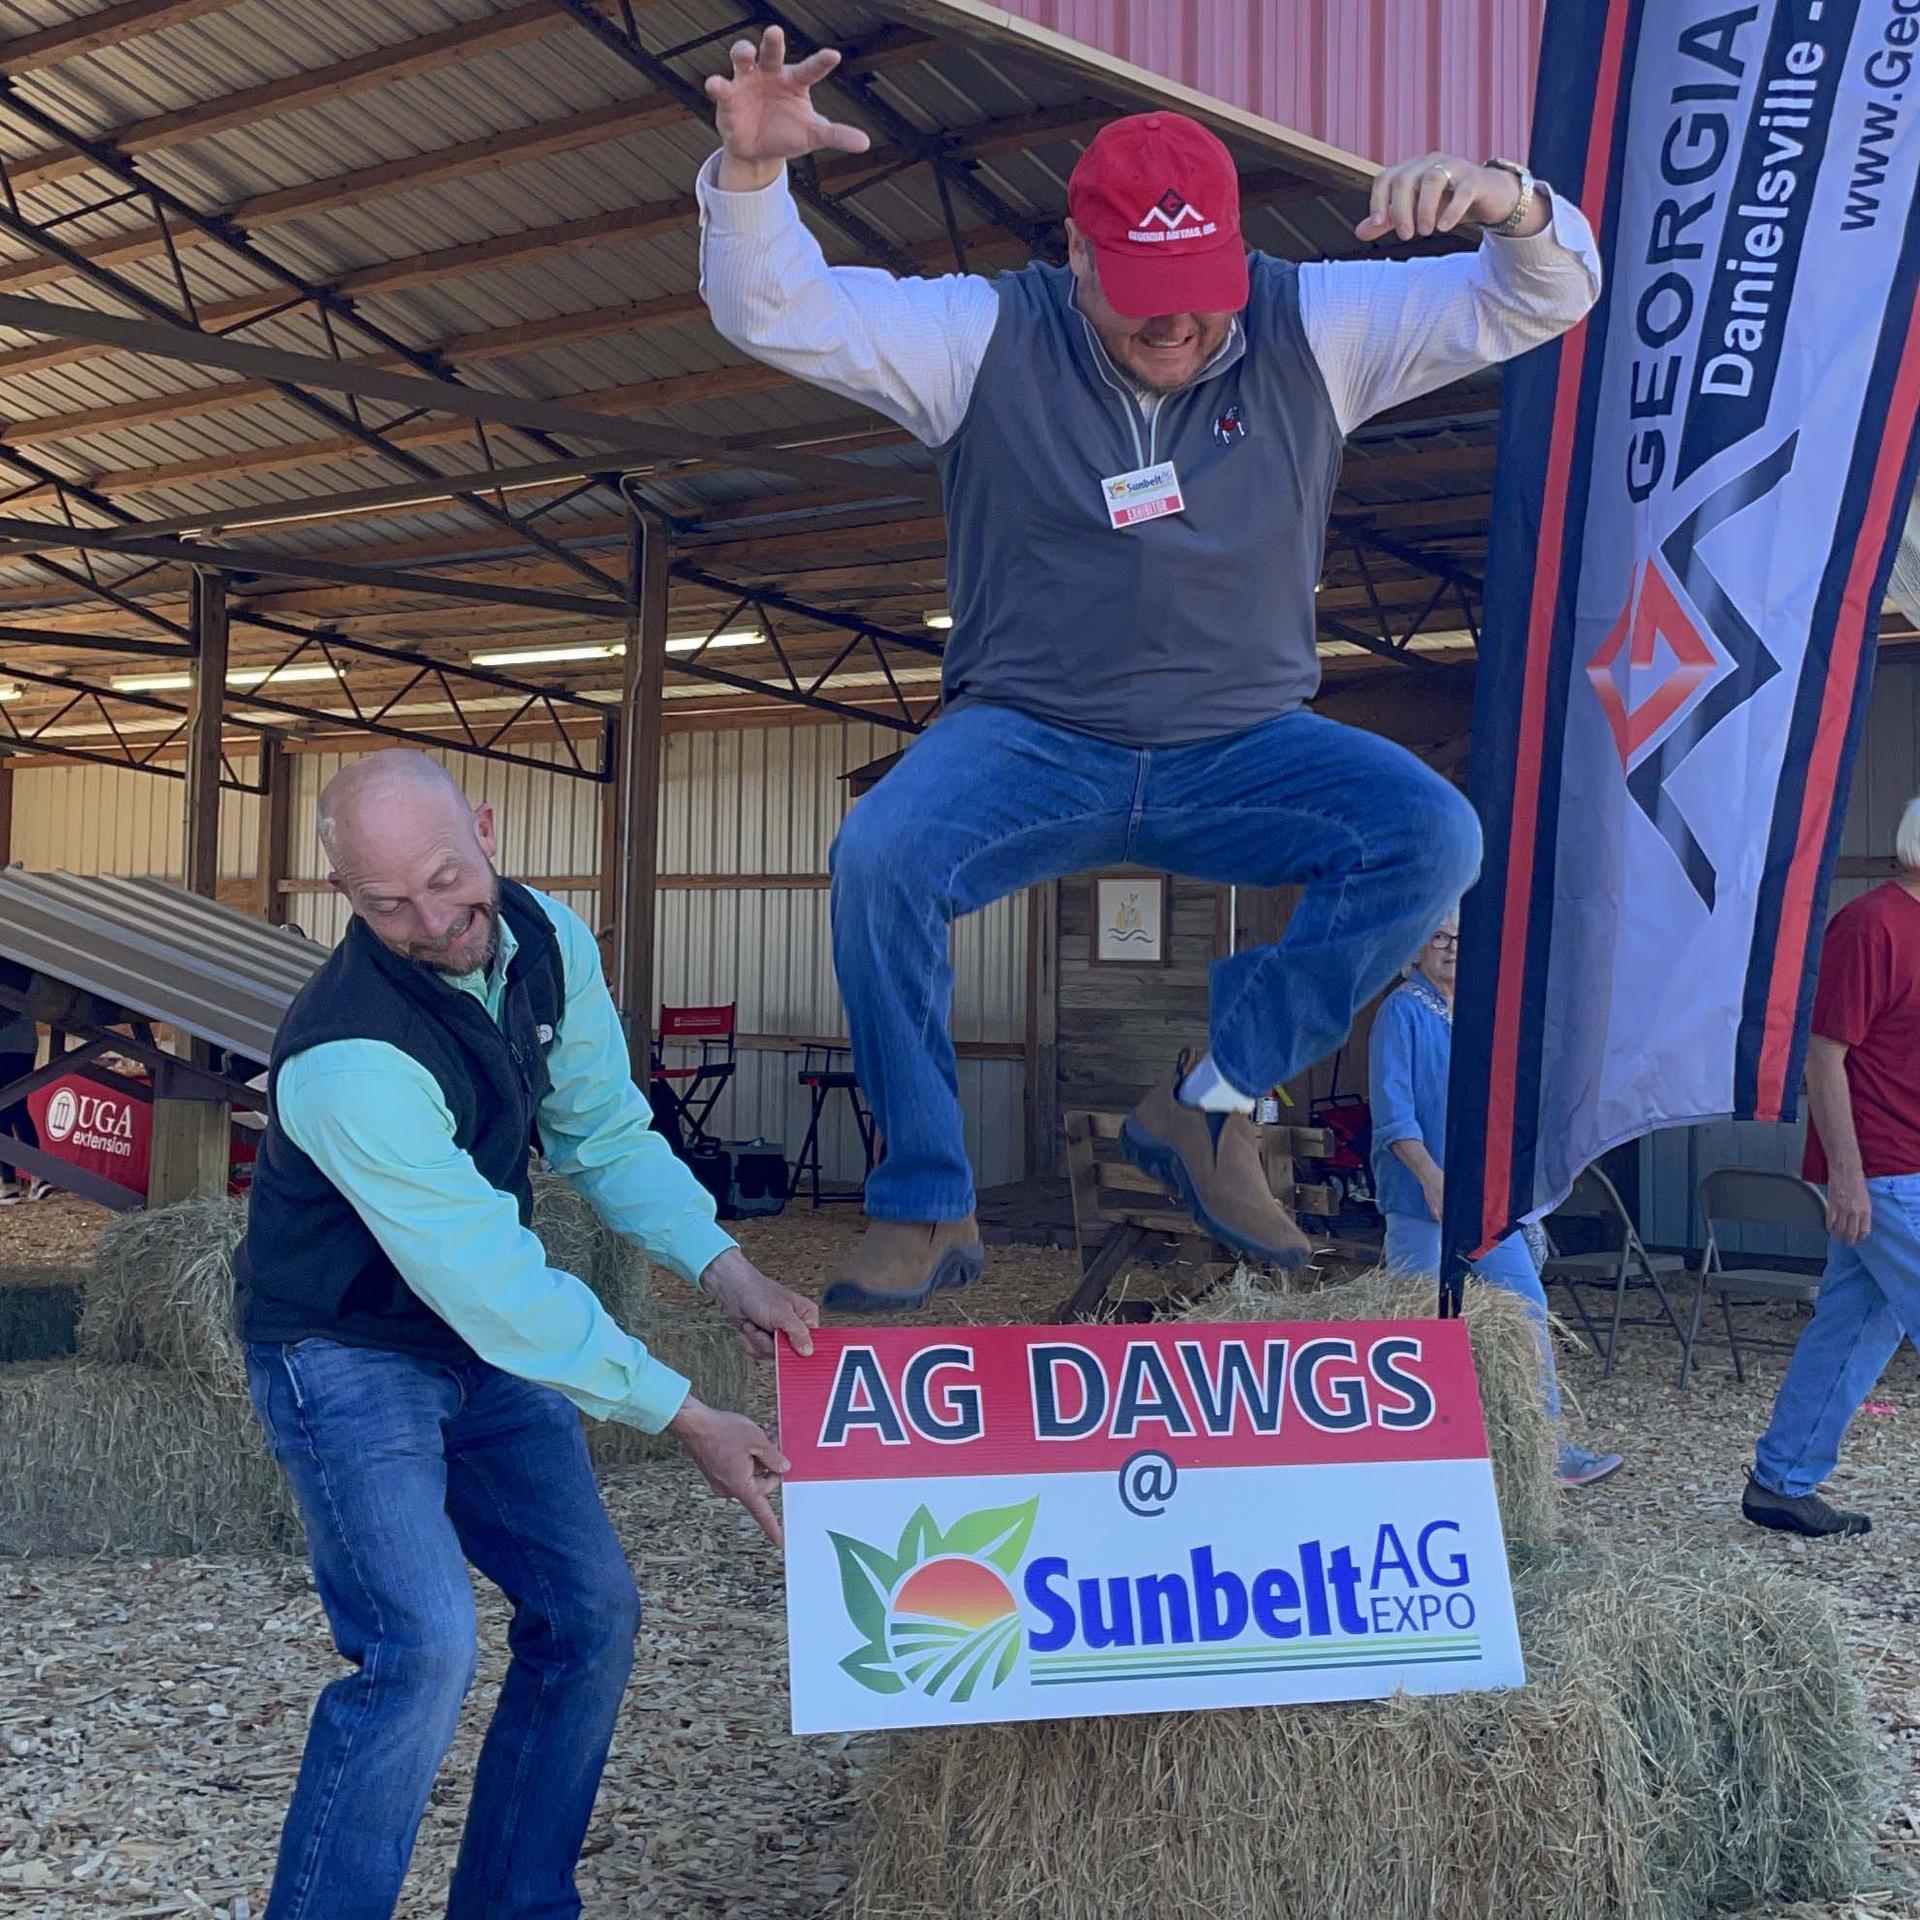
{"x": 1139, "y": 451}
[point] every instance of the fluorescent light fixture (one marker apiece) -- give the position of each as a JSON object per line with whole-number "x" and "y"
{"x": 561, "y": 656}
{"x": 733, "y": 637}
{"x": 939, "y": 619}
{"x": 10, "y": 693}
{"x": 544, "y": 656}
{"x": 281, "y": 677}
{"x": 239, "y": 677}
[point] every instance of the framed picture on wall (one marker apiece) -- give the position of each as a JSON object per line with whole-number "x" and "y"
{"x": 1130, "y": 920}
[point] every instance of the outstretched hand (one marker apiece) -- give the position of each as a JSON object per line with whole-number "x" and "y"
{"x": 759, "y": 1308}
{"x": 1433, "y": 194}
{"x": 737, "y": 1460}
{"x": 765, "y": 113}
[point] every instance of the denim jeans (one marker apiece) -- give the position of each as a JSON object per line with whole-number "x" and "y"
{"x": 405, "y": 1470}
{"x": 1413, "y": 1246}
{"x": 989, "y": 801}
{"x": 1869, "y": 1298}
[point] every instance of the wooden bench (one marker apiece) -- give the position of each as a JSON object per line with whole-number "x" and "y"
{"x": 1118, "y": 1210}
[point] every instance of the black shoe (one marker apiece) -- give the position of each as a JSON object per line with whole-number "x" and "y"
{"x": 1798, "y": 1513}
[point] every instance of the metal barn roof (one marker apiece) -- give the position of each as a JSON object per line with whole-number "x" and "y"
{"x": 157, "y": 951}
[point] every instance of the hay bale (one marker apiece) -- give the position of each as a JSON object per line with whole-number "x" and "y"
{"x": 39, "y": 1312}
{"x": 1690, "y": 1740}
{"x": 100, "y": 1458}
{"x": 162, "y": 1293}
{"x": 1506, "y": 1360}
{"x": 1762, "y": 1779}
{"x": 162, "y": 1290}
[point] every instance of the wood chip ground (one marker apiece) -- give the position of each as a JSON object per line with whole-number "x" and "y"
{"x": 151, "y": 1712}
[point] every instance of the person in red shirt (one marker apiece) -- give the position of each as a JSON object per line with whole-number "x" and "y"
{"x": 1863, "y": 1086}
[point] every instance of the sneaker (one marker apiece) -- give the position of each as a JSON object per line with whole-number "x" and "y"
{"x": 1803, "y": 1513}
{"x": 41, "y": 1190}
{"x": 1579, "y": 1468}
{"x": 899, "y": 1265}
{"x": 10, "y": 1195}
{"x": 1211, "y": 1163}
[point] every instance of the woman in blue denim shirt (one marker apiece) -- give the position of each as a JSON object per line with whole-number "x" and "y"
{"x": 1409, "y": 1056}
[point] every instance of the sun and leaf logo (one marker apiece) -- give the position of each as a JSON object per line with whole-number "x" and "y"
{"x": 938, "y": 1613}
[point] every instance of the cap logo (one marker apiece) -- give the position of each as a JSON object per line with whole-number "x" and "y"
{"x": 1171, "y": 217}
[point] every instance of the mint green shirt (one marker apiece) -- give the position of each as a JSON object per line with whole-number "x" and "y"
{"x": 373, "y": 1120}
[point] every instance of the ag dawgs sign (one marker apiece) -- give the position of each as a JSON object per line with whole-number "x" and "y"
{"x": 1020, "y": 1523}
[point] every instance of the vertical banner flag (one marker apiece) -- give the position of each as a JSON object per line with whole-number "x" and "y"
{"x": 1700, "y": 492}
{"x": 1039, "y": 1523}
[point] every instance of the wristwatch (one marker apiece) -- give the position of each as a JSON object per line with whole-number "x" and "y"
{"x": 1521, "y": 207}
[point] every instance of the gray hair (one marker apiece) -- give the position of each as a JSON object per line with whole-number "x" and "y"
{"x": 1906, "y": 839}
{"x": 1451, "y": 918}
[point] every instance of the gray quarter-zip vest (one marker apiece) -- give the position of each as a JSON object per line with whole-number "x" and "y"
{"x": 1184, "y": 628}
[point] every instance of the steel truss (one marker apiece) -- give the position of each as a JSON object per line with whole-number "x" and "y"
{"x": 175, "y": 332}
{"x": 1393, "y": 633}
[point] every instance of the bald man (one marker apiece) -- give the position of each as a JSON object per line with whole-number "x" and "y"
{"x": 420, "y": 1368}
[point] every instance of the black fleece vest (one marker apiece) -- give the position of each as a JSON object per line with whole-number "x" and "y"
{"x": 308, "y": 1265}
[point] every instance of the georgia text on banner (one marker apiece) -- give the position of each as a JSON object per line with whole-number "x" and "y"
{"x": 1699, "y": 495}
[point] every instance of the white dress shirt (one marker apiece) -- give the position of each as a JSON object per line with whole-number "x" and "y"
{"x": 1383, "y": 331}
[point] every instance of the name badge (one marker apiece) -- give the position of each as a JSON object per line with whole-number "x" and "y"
{"x": 1144, "y": 494}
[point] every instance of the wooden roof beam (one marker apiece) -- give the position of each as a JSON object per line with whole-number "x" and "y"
{"x": 519, "y": 146}
{"x": 31, "y": 52}
{"x": 429, "y": 53}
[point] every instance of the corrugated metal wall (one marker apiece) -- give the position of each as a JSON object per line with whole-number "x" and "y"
{"x": 1384, "y": 79}
{"x": 109, "y": 820}
{"x": 769, "y": 801}
{"x": 751, "y": 803}
{"x": 1672, "y": 1164}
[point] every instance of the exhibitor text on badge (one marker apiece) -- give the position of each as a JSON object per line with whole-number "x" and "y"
{"x": 1009, "y": 1523}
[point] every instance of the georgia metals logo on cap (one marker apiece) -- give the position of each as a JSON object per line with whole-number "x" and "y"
{"x": 1172, "y": 217}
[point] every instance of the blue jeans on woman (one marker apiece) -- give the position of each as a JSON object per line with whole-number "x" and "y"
{"x": 989, "y": 801}
{"x": 1413, "y": 1247}
{"x": 404, "y": 1470}
{"x": 1869, "y": 1300}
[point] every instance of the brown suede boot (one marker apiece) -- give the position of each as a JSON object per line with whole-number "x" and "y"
{"x": 1211, "y": 1163}
{"x": 898, "y": 1265}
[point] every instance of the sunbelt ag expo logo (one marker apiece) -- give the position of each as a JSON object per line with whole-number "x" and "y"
{"x": 938, "y": 1614}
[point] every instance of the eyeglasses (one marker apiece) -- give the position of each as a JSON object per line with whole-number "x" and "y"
{"x": 1445, "y": 942}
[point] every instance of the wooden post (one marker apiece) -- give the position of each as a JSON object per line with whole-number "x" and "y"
{"x": 276, "y": 829}
{"x": 1043, "y": 1026}
{"x": 643, "y": 673}
{"x": 191, "y": 1140}
{"x": 607, "y": 914}
{"x": 209, "y": 627}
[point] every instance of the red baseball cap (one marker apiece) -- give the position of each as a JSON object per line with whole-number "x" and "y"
{"x": 1158, "y": 197}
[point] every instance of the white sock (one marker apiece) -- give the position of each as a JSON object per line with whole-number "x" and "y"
{"x": 1207, "y": 1088}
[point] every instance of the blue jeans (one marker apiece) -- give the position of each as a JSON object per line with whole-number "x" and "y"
{"x": 989, "y": 801}
{"x": 1869, "y": 1298}
{"x": 405, "y": 1470}
{"x": 1413, "y": 1246}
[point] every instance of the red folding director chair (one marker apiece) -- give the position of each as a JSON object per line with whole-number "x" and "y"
{"x": 698, "y": 1084}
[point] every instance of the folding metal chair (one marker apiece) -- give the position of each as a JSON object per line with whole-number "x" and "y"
{"x": 1752, "y": 1196}
{"x": 1629, "y": 1265}
{"x": 701, "y": 1082}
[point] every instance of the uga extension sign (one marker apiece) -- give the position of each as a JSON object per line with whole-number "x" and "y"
{"x": 1024, "y": 1523}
